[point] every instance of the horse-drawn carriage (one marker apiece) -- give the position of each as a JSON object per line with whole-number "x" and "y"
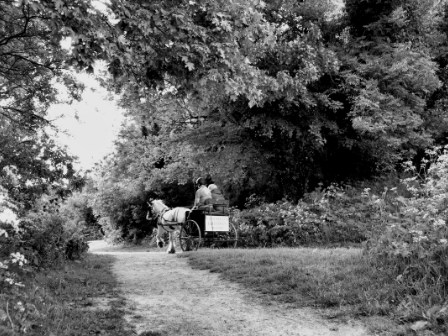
{"x": 209, "y": 227}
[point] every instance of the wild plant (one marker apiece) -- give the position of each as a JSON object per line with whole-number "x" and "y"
{"x": 12, "y": 262}
{"x": 414, "y": 243}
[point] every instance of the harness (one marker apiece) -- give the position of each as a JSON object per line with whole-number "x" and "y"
{"x": 167, "y": 223}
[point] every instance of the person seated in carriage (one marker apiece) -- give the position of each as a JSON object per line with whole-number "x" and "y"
{"x": 203, "y": 196}
{"x": 209, "y": 197}
{"x": 217, "y": 196}
{"x": 208, "y": 201}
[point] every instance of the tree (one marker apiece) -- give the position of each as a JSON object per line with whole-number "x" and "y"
{"x": 31, "y": 62}
{"x": 390, "y": 73}
{"x": 192, "y": 140}
{"x": 39, "y": 166}
{"x": 267, "y": 95}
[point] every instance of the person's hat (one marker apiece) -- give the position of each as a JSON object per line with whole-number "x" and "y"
{"x": 201, "y": 180}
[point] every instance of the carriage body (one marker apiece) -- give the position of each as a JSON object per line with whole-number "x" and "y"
{"x": 210, "y": 227}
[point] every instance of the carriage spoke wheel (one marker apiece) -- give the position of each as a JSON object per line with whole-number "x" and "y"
{"x": 222, "y": 239}
{"x": 190, "y": 236}
{"x": 228, "y": 239}
{"x": 233, "y": 236}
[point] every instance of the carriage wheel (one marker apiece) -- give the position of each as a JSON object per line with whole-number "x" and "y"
{"x": 233, "y": 236}
{"x": 190, "y": 236}
{"x": 225, "y": 239}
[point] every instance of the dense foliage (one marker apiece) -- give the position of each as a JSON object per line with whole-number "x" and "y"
{"x": 414, "y": 241}
{"x": 39, "y": 240}
{"x": 122, "y": 209}
{"x": 78, "y": 213}
{"x": 33, "y": 74}
{"x": 332, "y": 216}
{"x": 306, "y": 95}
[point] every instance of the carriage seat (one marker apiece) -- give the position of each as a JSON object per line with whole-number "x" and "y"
{"x": 218, "y": 208}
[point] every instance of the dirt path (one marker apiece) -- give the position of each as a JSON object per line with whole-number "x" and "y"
{"x": 167, "y": 297}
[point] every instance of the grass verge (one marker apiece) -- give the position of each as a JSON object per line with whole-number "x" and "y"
{"x": 338, "y": 279}
{"x": 78, "y": 299}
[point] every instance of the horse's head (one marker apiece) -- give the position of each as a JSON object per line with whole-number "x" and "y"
{"x": 157, "y": 206}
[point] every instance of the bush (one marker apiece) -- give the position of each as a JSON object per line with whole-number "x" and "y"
{"x": 78, "y": 212}
{"x": 325, "y": 216}
{"x": 414, "y": 243}
{"x": 12, "y": 262}
{"x": 39, "y": 240}
{"x": 47, "y": 239}
{"x": 122, "y": 209}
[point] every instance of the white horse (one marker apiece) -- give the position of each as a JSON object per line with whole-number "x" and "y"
{"x": 168, "y": 220}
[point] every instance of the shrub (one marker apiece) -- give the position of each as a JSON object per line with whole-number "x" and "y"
{"x": 122, "y": 211}
{"x": 47, "y": 239}
{"x": 77, "y": 211}
{"x": 12, "y": 262}
{"x": 414, "y": 242}
{"x": 325, "y": 216}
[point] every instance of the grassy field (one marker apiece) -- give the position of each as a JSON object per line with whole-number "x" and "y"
{"x": 340, "y": 281}
{"x": 79, "y": 299}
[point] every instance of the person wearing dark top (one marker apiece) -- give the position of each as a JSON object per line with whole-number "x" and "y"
{"x": 217, "y": 195}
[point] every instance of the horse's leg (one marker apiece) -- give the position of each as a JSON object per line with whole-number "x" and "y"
{"x": 171, "y": 248}
{"x": 159, "y": 239}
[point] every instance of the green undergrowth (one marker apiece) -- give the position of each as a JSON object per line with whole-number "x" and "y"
{"x": 79, "y": 298}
